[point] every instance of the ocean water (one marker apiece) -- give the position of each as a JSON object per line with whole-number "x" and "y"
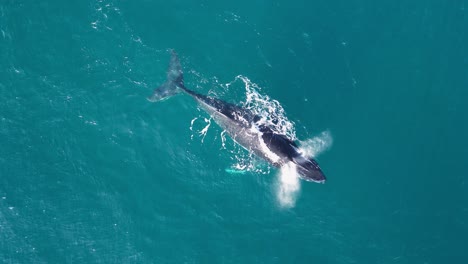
{"x": 91, "y": 172}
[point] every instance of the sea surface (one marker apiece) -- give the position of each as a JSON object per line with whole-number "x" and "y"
{"x": 92, "y": 172}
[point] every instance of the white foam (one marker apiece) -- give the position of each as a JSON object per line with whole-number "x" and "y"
{"x": 205, "y": 130}
{"x": 272, "y": 114}
{"x": 316, "y": 145}
{"x": 201, "y": 133}
{"x": 288, "y": 185}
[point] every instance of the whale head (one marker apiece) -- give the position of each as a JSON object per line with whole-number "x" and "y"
{"x": 309, "y": 170}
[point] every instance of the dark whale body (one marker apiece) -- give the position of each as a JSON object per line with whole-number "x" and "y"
{"x": 243, "y": 126}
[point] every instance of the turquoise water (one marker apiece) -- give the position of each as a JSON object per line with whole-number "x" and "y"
{"x": 90, "y": 171}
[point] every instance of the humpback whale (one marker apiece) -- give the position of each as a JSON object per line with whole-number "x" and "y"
{"x": 243, "y": 126}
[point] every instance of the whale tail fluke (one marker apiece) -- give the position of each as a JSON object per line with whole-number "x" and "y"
{"x": 174, "y": 81}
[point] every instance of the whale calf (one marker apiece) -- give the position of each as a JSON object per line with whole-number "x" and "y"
{"x": 243, "y": 126}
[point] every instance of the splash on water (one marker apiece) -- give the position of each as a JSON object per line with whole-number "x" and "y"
{"x": 271, "y": 112}
{"x": 288, "y": 185}
{"x": 273, "y": 115}
{"x": 316, "y": 145}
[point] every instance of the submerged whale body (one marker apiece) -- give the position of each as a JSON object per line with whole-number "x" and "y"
{"x": 243, "y": 126}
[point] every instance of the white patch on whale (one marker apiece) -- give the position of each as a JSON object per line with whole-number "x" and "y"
{"x": 265, "y": 149}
